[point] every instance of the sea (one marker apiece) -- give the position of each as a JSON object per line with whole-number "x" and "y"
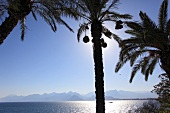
{"x": 113, "y": 106}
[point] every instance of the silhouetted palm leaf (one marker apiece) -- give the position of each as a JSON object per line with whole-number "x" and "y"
{"x": 112, "y": 35}
{"x": 23, "y": 28}
{"x": 163, "y": 15}
{"x": 82, "y": 28}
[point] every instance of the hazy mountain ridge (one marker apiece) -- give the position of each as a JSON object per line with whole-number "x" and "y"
{"x": 74, "y": 96}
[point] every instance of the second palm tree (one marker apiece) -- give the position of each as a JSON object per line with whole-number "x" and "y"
{"x": 96, "y": 12}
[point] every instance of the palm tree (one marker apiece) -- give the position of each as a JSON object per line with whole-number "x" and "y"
{"x": 95, "y": 13}
{"x": 15, "y": 11}
{"x": 149, "y": 44}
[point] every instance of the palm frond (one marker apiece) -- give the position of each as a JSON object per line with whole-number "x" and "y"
{"x": 68, "y": 8}
{"x": 134, "y": 33}
{"x": 128, "y": 50}
{"x": 47, "y": 18}
{"x": 113, "y": 4}
{"x": 134, "y": 70}
{"x": 61, "y": 21}
{"x": 144, "y": 65}
{"x": 52, "y": 12}
{"x": 115, "y": 15}
{"x": 163, "y": 15}
{"x": 117, "y": 38}
{"x": 135, "y": 55}
{"x": 103, "y": 5}
{"x": 149, "y": 40}
{"x": 79, "y": 9}
{"x": 135, "y": 26}
{"x": 67, "y": 12}
{"x": 136, "y": 29}
{"x": 120, "y": 63}
{"x": 147, "y": 22}
{"x": 91, "y": 8}
{"x": 106, "y": 32}
{"x": 108, "y": 14}
{"x": 23, "y": 28}
{"x": 133, "y": 40}
{"x": 110, "y": 35}
{"x": 153, "y": 64}
{"x": 79, "y": 5}
{"x": 157, "y": 38}
{"x": 150, "y": 36}
{"x": 147, "y": 74}
{"x": 34, "y": 15}
{"x": 129, "y": 55}
{"x": 152, "y": 61}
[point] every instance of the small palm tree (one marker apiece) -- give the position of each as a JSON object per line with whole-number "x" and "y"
{"x": 17, "y": 10}
{"x": 149, "y": 44}
{"x": 95, "y": 13}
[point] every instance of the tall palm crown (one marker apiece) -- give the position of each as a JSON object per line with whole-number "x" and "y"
{"x": 95, "y": 13}
{"x": 149, "y": 44}
{"x": 99, "y": 11}
{"x": 14, "y": 11}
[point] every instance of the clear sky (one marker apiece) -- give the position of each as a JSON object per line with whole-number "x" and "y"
{"x": 55, "y": 62}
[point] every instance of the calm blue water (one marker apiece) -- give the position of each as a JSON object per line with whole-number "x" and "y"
{"x": 116, "y": 106}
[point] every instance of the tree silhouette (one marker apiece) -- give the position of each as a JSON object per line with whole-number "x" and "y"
{"x": 149, "y": 44}
{"x": 95, "y": 13}
{"x": 16, "y": 11}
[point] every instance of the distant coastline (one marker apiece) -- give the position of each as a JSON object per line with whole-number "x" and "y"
{"x": 139, "y": 99}
{"x": 74, "y": 96}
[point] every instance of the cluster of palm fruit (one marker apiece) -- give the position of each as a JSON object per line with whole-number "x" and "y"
{"x": 119, "y": 25}
{"x": 103, "y": 43}
{"x": 86, "y": 38}
{"x": 108, "y": 34}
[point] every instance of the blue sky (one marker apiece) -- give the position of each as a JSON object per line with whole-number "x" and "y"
{"x": 55, "y": 62}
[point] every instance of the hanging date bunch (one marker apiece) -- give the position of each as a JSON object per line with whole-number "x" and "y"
{"x": 119, "y": 24}
{"x": 86, "y": 38}
{"x": 103, "y": 43}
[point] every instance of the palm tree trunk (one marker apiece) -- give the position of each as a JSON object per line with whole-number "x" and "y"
{"x": 6, "y": 27}
{"x": 166, "y": 69}
{"x": 96, "y": 29}
{"x": 165, "y": 61}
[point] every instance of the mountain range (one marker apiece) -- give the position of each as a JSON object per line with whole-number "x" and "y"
{"x": 74, "y": 96}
